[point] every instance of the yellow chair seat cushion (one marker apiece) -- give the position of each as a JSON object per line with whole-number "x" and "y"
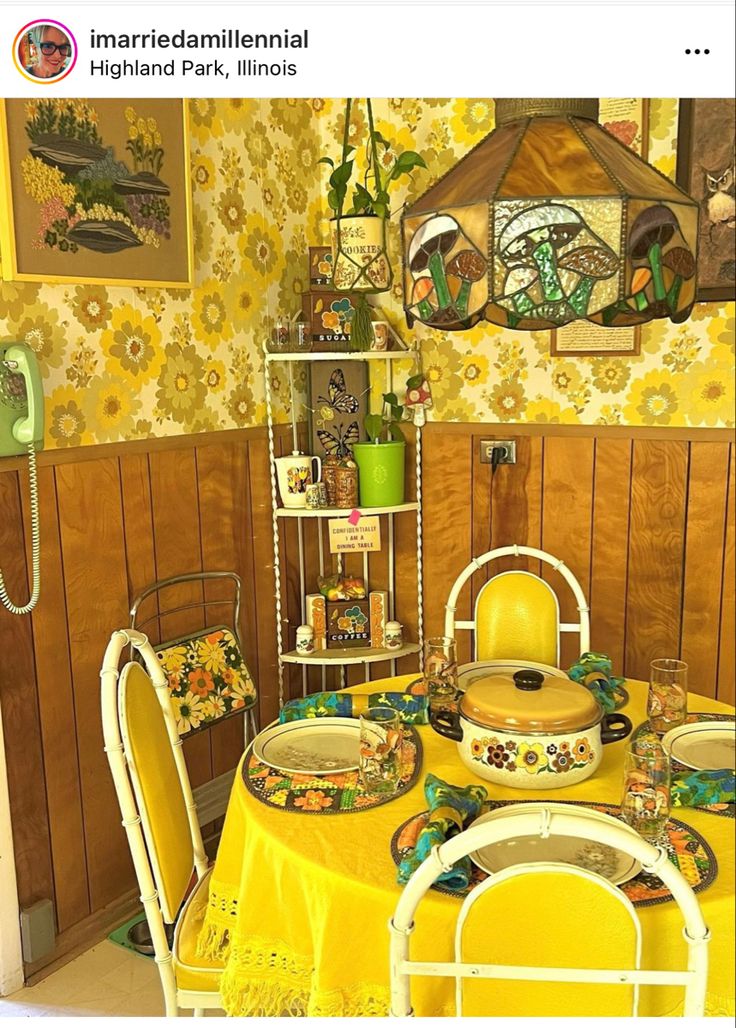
{"x": 201, "y": 974}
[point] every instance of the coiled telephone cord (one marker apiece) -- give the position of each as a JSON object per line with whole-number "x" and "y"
{"x": 35, "y": 544}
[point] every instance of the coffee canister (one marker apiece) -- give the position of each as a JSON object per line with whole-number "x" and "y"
{"x": 346, "y": 484}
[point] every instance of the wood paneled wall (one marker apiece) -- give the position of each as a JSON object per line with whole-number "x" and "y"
{"x": 645, "y": 521}
{"x": 113, "y": 520}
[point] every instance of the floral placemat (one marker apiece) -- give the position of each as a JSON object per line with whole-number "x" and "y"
{"x": 328, "y": 794}
{"x": 721, "y": 809}
{"x": 687, "y": 849}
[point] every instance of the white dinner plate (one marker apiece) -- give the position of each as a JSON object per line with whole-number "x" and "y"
{"x": 315, "y": 746}
{"x": 615, "y": 865}
{"x": 703, "y": 745}
{"x": 477, "y": 669}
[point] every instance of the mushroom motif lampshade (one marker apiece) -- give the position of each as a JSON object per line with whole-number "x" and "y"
{"x": 548, "y": 220}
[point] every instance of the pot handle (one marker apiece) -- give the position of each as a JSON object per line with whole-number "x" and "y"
{"x": 447, "y": 723}
{"x": 609, "y": 734}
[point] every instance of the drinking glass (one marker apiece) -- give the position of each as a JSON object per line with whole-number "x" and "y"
{"x": 667, "y": 699}
{"x": 280, "y": 341}
{"x": 440, "y": 659}
{"x": 645, "y": 802}
{"x": 380, "y": 750}
{"x": 302, "y": 340}
{"x": 441, "y": 694}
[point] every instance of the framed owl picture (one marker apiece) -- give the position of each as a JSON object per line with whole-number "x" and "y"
{"x": 705, "y": 170}
{"x": 338, "y": 404}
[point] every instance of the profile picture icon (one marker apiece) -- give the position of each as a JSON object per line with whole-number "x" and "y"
{"x": 44, "y": 51}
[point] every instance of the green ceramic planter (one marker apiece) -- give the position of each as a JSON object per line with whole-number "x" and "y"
{"x": 380, "y": 473}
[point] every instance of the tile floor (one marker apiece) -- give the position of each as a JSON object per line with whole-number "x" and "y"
{"x": 106, "y": 980}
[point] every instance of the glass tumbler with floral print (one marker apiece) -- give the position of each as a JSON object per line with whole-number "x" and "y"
{"x": 380, "y": 750}
{"x": 667, "y": 699}
{"x": 645, "y": 802}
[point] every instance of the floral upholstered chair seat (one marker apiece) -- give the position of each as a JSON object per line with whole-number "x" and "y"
{"x": 208, "y": 678}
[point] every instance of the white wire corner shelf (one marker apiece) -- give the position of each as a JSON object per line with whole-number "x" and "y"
{"x": 352, "y": 655}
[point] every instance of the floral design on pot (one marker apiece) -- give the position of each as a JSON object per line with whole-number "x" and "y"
{"x": 530, "y": 731}
{"x": 534, "y": 757}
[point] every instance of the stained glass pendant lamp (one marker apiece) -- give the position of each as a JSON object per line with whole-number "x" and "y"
{"x": 548, "y": 220}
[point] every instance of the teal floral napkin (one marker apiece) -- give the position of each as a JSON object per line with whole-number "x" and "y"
{"x": 412, "y": 710}
{"x": 593, "y": 670}
{"x": 702, "y": 788}
{"x": 451, "y": 809}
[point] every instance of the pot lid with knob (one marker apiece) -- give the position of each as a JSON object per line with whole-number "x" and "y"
{"x": 530, "y": 702}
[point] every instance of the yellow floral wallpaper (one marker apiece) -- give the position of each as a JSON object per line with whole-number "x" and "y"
{"x": 122, "y": 363}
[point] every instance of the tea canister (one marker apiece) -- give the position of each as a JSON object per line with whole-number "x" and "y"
{"x": 529, "y": 730}
{"x": 304, "y": 639}
{"x": 393, "y": 635}
{"x": 346, "y": 484}
{"x": 329, "y": 468}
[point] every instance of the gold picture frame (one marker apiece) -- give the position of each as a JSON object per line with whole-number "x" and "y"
{"x": 101, "y": 189}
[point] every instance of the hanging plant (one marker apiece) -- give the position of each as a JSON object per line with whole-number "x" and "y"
{"x": 360, "y": 261}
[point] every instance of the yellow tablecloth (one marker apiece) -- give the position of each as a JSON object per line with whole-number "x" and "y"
{"x": 299, "y": 903}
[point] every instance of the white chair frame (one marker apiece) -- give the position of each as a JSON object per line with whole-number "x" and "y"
{"x": 250, "y": 718}
{"x": 581, "y": 627}
{"x": 135, "y": 822}
{"x": 542, "y": 822}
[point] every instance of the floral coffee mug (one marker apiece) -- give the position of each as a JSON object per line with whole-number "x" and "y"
{"x": 295, "y": 473}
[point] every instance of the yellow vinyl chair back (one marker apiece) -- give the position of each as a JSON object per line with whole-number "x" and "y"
{"x": 517, "y": 617}
{"x": 159, "y": 814}
{"x": 547, "y": 921}
{"x": 157, "y": 788}
{"x": 556, "y": 931}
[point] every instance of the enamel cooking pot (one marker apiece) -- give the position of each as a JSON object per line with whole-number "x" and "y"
{"x": 529, "y": 730}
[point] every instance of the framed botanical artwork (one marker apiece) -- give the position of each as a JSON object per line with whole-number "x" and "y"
{"x": 705, "y": 170}
{"x": 338, "y": 404}
{"x": 95, "y": 191}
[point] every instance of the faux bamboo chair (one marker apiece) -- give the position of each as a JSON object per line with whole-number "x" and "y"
{"x": 517, "y": 614}
{"x": 160, "y": 819}
{"x": 542, "y": 822}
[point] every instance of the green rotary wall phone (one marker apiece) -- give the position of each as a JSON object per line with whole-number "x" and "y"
{"x": 21, "y": 431}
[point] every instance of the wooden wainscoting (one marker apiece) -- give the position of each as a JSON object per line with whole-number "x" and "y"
{"x": 113, "y": 520}
{"x": 643, "y": 518}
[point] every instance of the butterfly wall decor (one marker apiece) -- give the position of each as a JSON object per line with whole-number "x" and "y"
{"x": 338, "y": 405}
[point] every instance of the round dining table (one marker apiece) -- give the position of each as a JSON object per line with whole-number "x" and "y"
{"x": 299, "y": 903}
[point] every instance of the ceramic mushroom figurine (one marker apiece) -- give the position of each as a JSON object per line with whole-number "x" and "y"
{"x": 430, "y": 243}
{"x": 592, "y": 264}
{"x": 418, "y": 398}
{"x": 652, "y": 230}
{"x": 469, "y": 266}
{"x": 533, "y": 238}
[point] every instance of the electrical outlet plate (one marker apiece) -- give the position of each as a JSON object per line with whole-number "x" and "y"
{"x": 487, "y": 447}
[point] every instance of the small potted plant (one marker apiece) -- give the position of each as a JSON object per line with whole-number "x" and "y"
{"x": 359, "y": 249}
{"x": 381, "y": 460}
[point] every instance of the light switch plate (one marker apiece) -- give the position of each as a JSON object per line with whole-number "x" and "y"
{"x": 487, "y": 447}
